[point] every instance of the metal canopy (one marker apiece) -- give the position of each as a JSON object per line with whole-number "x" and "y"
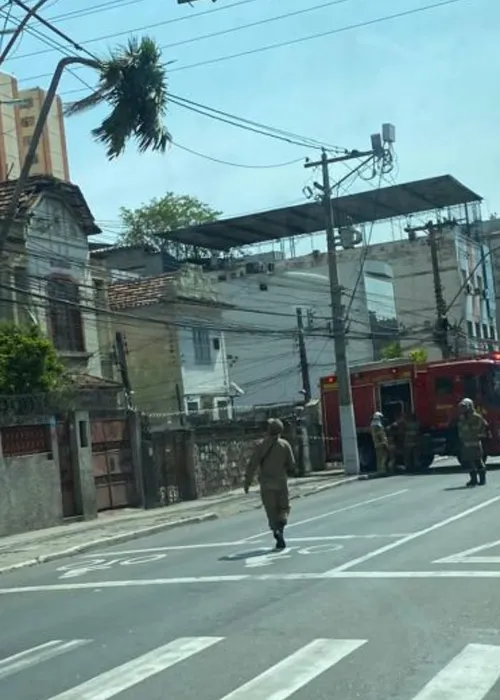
{"x": 373, "y": 205}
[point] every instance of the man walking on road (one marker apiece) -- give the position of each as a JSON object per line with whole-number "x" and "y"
{"x": 274, "y": 459}
{"x": 471, "y": 430}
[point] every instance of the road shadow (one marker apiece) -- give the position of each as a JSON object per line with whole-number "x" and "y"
{"x": 457, "y": 488}
{"x": 246, "y": 555}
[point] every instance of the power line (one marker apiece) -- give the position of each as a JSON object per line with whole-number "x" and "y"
{"x": 320, "y": 35}
{"x": 235, "y": 165}
{"x": 183, "y": 18}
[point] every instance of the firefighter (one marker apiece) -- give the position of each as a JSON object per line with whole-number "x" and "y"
{"x": 380, "y": 442}
{"x": 472, "y": 428}
{"x": 411, "y": 443}
{"x": 274, "y": 459}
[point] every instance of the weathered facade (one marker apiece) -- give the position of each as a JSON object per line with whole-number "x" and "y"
{"x": 176, "y": 351}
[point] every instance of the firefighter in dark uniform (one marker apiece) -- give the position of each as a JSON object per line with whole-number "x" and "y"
{"x": 275, "y": 462}
{"x": 472, "y": 428}
{"x": 411, "y": 443}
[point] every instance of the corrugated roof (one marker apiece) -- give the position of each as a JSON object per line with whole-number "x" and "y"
{"x": 39, "y": 184}
{"x": 136, "y": 293}
{"x": 373, "y": 205}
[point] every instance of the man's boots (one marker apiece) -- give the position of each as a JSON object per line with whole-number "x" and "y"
{"x": 473, "y": 479}
{"x": 482, "y": 477}
{"x": 278, "y": 535}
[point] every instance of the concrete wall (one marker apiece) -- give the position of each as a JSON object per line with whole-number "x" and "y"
{"x": 57, "y": 245}
{"x": 30, "y": 492}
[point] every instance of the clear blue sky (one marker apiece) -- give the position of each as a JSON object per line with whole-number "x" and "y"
{"x": 433, "y": 74}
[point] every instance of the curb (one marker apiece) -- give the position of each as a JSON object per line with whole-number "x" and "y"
{"x": 113, "y": 539}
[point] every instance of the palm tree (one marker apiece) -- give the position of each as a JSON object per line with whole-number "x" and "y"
{"x": 133, "y": 82}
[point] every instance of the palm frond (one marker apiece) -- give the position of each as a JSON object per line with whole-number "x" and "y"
{"x": 133, "y": 82}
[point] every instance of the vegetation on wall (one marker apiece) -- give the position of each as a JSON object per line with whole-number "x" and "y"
{"x": 28, "y": 362}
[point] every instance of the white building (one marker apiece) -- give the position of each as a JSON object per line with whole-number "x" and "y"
{"x": 262, "y": 350}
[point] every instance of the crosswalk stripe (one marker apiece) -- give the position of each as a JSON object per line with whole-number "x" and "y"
{"x": 110, "y": 683}
{"x": 36, "y": 655}
{"x": 469, "y": 676}
{"x": 298, "y": 669}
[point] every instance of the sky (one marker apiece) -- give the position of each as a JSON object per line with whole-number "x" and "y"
{"x": 433, "y": 74}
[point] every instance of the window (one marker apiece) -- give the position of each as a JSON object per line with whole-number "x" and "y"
{"x": 485, "y": 330}
{"x": 201, "y": 343}
{"x": 492, "y": 332}
{"x": 470, "y": 329}
{"x": 478, "y": 329}
{"x": 444, "y": 385}
{"x": 469, "y": 383}
{"x": 27, "y": 103}
{"x": 223, "y": 410}
{"x": 26, "y": 141}
{"x": 65, "y": 317}
{"x": 216, "y": 344}
{"x": 27, "y": 121}
{"x": 192, "y": 407}
{"x": 22, "y": 290}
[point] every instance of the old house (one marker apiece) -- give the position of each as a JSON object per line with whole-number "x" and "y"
{"x": 175, "y": 349}
{"x": 48, "y": 278}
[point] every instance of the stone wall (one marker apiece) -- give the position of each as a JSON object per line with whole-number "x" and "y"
{"x": 220, "y": 456}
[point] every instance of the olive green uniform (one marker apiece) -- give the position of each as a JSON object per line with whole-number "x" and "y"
{"x": 381, "y": 446}
{"x": 471, "y": 430}
{"x": 411, "y": 444}
{"x": 274, "y": 460}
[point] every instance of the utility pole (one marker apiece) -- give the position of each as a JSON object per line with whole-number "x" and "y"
{"x": 377, "y": 154}
{"x": 304, "y": 366}
{"x": 121, "y": 356}
{"x": 442, "y": 324}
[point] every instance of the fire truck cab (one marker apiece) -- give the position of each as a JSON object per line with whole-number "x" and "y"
{"x": 431, "y": 391}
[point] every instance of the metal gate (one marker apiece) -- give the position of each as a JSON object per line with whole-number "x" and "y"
{"x": 113, "y": 463}
{"x": 170, "y": 455}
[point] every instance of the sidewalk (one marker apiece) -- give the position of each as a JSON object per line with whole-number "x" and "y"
{"x": 114, "y": 527}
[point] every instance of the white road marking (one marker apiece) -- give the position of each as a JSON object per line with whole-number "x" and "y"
{"x": 297, "y": 670}
{"x": 409, "y": 538}
{"x": 469, "y": 676}
{"x": 466, "y": 558}
{"x": 236, "y": 543}
{"x": 97, "y": 586}
{"x": 36, "y": 655}
{"x": 360, "y": 504}
{"x": 111, "y": 683}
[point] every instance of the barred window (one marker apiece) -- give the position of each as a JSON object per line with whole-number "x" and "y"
{"x": 65, "y": 316}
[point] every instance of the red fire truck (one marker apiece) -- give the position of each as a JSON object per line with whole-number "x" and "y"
{"x": 432, "y": 391}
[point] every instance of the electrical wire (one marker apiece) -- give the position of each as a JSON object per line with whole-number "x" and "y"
{"x": 235, "y": 165}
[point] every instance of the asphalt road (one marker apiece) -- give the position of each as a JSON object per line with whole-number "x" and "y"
{"x": 389, "y": 590}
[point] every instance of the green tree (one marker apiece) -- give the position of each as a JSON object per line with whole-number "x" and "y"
{"x": 392, "y": 351}
{"x": 419, "y": 355}
{"x": 28, "y": 362}
{"x": 164, "y": 214}
{"x": 133, "y": 81}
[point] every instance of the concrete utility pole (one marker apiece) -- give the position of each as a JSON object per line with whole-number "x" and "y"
{"x": 376, "y": 154}
{"x": 350, "y": 456}
{"x": 304, "y": 366}
{"x": 121, "y": 356}
{"x": 442, "y": 324}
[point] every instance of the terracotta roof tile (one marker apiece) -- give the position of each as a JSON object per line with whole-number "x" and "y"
{"x": 137, "y": 293}
{"x": 38, "y": 184}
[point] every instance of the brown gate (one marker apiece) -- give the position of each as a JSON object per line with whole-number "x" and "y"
{"x": 113, "y": 463}
{"x": 69, "y": 504}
